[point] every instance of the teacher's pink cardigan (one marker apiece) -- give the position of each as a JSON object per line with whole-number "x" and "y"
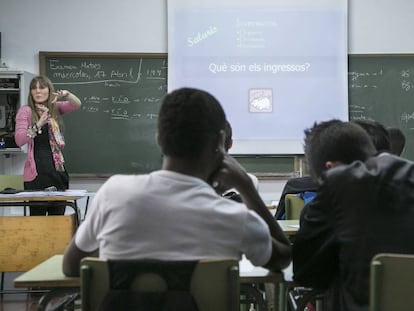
{"x": 23, "y": 123}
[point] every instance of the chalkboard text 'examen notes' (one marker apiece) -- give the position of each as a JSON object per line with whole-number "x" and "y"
{"x": 99, "y": 72}
{"x": 121, "y": 94}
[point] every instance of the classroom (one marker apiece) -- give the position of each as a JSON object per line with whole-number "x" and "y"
{"x": 137, "y": 26}
{"x": 383, "y": 30}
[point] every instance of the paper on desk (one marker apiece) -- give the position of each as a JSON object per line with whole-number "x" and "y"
{"x": 67, "y": 193}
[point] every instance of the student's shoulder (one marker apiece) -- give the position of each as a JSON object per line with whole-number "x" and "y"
{"x": 124, "y": 180}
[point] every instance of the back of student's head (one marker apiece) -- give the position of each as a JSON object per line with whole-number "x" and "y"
{"x": 189, "y": 120}
{"x": 397, "y": 140}
{"x": 378, "y": 134}
{"x": 335, "y": 141}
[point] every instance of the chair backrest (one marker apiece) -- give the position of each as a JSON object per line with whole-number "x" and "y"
{"x": 214, "y": 284}
{"x": 27, "y": 241}
{"x": 391, "y": 282}
{"x": 293, "y": 206}
{"x": 11, "y": 181}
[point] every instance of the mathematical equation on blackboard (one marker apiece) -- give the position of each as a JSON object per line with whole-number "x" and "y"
{"x": 119, "y": 107}
{"x": 381, "y": 89}
{"x": 358, "y": 80}
{"x": 123, "y": 89}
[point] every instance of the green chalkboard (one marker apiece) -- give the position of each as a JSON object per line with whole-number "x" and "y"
{"x": 381, "y": 88}
{"x": 115, "y": 129}
{"x": 121, "y": 93}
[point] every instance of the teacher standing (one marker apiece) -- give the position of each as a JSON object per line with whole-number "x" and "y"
{"x": 40, "y": 126}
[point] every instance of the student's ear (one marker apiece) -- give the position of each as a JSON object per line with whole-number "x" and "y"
{"x": 332, "y": 164}
{"x": 221, "y": 142}
{"x": 230, "y": 144}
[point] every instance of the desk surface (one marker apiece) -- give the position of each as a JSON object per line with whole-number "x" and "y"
{"x": 289, "y": 227}
{"x": 49, "y": 274}
{"x": 43, "y": 196}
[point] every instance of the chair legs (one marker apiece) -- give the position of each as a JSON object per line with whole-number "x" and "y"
{"x": 2, "y": 282}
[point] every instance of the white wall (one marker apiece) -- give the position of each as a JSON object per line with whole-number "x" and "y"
{"x": 27, "y": 26}
{"x": 89, "y": 26}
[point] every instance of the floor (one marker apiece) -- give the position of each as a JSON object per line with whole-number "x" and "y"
{"x": 16, "y": 302}
{"x": 27, "y": 302}
{"x": 22, "y": 301}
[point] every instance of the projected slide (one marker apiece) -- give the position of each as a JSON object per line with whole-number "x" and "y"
{"x": 276, "y": 70}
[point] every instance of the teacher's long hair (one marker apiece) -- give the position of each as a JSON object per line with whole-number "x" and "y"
{"x": 53, "y": 109}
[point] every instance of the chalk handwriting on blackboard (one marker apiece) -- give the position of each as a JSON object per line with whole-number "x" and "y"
{"x": 88, "y": 72}
{"x": 407, "y": 83}
{"x": 121, "y": 94}
{"x": 364, "y": 79}
{"x": 119, "y": 106}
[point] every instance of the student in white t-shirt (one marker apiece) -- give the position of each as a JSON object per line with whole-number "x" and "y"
{"x": 175, "y": 213}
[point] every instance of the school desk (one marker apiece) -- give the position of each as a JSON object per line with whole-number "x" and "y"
{"x": 41, "y": 198}
{"x": 49, "y": 275}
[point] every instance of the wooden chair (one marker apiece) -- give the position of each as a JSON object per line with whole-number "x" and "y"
{"x": 27, "y": 241}
{"x": 15, "y": 182}
{"x": 293, "y": 206}
{"x": 214, "y": 284}
{"x": 391, "y": 282}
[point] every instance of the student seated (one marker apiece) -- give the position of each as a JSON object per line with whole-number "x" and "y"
{"x": 378, "y": 133}
{"x": 397, "y": 140}
{"x": 364, "y": 206}
{"x": 297, "y": 185}
{"x": 306, "y": 187}
{"x": 175, "y": 213}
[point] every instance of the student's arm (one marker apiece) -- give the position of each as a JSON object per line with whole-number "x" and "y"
{"x": 281, "y": 250}
{"x": 72, "y": 258}
{"x": 233, "y": 175}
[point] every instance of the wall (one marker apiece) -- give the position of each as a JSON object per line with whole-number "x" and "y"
{"x": 375, "y": 26}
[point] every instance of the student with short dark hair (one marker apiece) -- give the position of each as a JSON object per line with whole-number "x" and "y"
{"x": 364, "y": 206}
{"x": 307, "y": 186}
{"x": 397, "y": 140}
{"x": 378, "y": 133}
{"x": 175, "y": 213}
